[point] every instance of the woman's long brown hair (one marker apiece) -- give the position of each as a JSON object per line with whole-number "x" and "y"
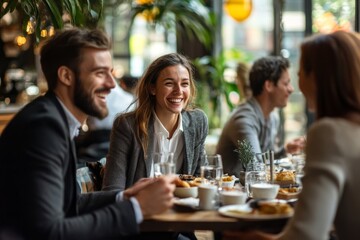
{"x": 334, "y": 59}
{"x": 146, "y": 101}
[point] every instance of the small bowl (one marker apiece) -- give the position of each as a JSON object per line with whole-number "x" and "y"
{"x": 228, "y": 184}
{"x": 183, "y": 192}
{"x": 233, "y": 197}
{"x": 264, "y": 190}
{"x": 228, "y": 181}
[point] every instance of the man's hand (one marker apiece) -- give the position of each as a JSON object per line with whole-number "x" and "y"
{"x": 154, "y": 195}
{"x": 138, "y": 186}
{"x": 296, "y": 146}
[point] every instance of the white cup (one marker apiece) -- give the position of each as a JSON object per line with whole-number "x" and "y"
{"x": 265, "y": 190}
{"x": 207, "y": 194}
{"x": 253, "y": 177}
{"x": 233, "y": 197}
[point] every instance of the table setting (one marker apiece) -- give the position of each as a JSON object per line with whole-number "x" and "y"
{"x": 219, "y": 192}
{"x": 216, "y": 201}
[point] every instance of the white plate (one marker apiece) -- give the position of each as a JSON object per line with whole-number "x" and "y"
{"x": 187, "y": 202}
{"x": 245, "y": 212}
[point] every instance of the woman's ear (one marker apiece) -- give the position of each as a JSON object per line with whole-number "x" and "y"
{"x": 65, "y": 75}
{"x": 152, "y": 90}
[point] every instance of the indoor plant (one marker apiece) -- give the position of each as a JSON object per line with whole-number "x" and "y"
{"x": 41, "y": 13}
{"x": 246, "y": 156}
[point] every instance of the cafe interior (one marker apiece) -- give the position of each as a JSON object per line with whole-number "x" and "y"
{"x": 216, "y": 35}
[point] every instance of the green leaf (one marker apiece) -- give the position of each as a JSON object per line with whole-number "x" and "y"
{"x": 245, "y": 152}
{"x": 38, "y": 28}
{"x": 55, "y": 13}
{"x": 29, "y": 7}
{"x": 70, "y": 7}
{"x": 194, "y": 18}
{"x": 24, "y": 24}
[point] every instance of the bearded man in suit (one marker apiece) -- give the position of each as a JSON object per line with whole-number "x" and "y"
{"x": 40, "y": 198}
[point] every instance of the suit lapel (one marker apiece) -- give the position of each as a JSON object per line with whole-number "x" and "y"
{"x": 151, "y": 144}
{"x": 69, "y": 168}
{"x": 189, "y": 143}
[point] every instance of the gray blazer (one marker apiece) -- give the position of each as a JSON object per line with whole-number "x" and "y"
{"x": 247, "y": 122}
{"x": 126, "y": 161}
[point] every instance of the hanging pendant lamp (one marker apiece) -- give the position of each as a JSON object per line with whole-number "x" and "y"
{"x": 238, "y": 9}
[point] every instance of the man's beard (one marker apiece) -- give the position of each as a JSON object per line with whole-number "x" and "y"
{"x": 84, "y": 101}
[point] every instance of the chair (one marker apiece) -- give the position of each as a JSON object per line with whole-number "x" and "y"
{"x": 97, "y": 172}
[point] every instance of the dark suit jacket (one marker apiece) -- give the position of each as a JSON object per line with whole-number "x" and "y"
{"x": 40, "y": 197}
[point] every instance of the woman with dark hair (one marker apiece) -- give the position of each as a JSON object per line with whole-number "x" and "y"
{"x": 329, "y": 78}
{"x": 165, "y": 95}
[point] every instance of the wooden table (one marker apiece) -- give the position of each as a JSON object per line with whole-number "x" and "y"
{"x": 206, "y": 220}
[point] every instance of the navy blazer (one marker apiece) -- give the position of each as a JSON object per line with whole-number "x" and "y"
{"x": 40, "y": 197}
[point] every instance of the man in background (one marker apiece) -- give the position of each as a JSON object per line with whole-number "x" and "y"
{"x": 255, "y": 120}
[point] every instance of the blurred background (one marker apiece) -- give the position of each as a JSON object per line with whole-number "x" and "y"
{"x": 216, "y": 35}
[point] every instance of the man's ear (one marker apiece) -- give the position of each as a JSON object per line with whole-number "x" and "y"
{"x": 65, "y": 75}
{"x": 269, "y": 86}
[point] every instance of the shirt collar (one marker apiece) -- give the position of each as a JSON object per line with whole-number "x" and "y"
{"x": 74, "y": 124}
{"x": 159, "y": 127}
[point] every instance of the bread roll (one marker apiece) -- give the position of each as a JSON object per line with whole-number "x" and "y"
{"x": 180, "y": 183}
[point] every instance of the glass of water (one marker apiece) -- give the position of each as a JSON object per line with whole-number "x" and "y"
{"x": 212, "y": 172}
{"x": 163, "y": 163}
{"x": 299, "y": 163}
{"x": 257, "y": 174}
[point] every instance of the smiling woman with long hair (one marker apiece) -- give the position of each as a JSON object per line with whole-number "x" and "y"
{"x": 164, "y": 108}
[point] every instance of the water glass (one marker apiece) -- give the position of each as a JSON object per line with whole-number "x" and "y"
{"x": 255, "y": 175}
{"x": 164, "y": 163}
{"x": 299, "y": 163}
{"x": 212, "y": 172}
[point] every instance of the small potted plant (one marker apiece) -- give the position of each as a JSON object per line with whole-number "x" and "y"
{"x": 246, "y": 157}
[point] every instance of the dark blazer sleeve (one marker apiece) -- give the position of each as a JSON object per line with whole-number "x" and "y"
{"x": 195, "y": 124}
{"x": 41, "y": 200}
{"x": 118, "y": 159}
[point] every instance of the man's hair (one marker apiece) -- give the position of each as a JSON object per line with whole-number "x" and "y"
{"x": 266, "y": 68}
{"x": 65, "y": 49}
{"x": 130, "y": 82}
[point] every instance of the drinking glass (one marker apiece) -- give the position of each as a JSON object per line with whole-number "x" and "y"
{"x": 255, "y": 175}
{"x": 212, "y": 172}
{"x": 265, "y": 157}
{"x": 299, "y": 162}
{"x": 164, "y": 163}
